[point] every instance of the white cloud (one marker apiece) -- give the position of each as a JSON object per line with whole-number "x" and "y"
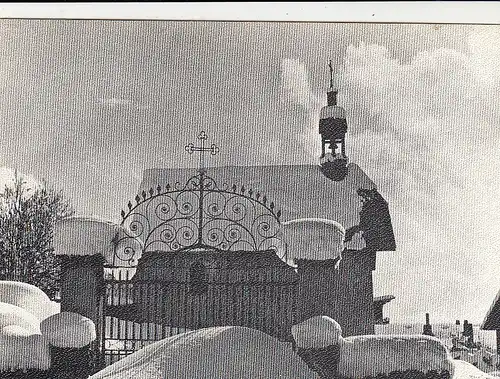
{"x": 7, "y": 176}
{"x": 297, "y": 89}
{"x": 427, "y": 131}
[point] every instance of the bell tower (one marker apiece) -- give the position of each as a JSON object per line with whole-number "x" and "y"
{"x": 333, "y": 128}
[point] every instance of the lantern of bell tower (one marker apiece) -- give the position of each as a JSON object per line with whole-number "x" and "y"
{"x": 333, "y": 128}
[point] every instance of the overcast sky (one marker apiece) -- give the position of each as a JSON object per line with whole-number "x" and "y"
{"x": 88, "y": 105}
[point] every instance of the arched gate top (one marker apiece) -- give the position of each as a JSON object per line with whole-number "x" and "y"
{"x": 197, "y": 215}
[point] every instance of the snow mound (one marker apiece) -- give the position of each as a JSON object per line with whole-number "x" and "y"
{"x": 68, "y": 329}
{"x": 21, "y": 351}
{"x": 27, "y": 297}
{"x": 313, "y": 238}
{"x": 466, "y": 370}
{"x": 317, "y": 332}
{"x": 216, "y": 353}
{"x": 12, "y": 315}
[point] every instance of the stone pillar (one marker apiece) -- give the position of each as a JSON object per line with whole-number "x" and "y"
{"x": 344, "y": 294}
{"x": 82, "y": 281}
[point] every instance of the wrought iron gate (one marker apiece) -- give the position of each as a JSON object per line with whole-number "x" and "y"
{"x": 193, "y": 256}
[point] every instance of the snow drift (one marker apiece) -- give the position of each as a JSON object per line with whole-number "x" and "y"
{"x": 217, "y": 353}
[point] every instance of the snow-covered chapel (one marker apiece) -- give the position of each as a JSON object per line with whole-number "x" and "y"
{"x": 264, "y": 247}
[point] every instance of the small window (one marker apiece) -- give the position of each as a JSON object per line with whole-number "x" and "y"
{"x": 198, "y": 278}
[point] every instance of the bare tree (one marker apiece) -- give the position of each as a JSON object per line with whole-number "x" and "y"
{"x": 27, "y": 219}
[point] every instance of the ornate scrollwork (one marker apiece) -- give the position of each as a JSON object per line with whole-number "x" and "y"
{"x": 198, "y": 214}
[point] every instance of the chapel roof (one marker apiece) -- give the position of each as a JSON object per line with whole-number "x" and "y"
{"x": 492, "y": 319}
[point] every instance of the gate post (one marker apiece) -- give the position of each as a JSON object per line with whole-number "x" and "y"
{"x": 82, "y": 245}
{"x": 82, "y": 281}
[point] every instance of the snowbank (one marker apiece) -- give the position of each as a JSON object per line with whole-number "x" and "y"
{"x": 28, "y": 297}
{"x": 12, "y": 315}
{"x": 466, "y": 370}
{"x": 68, "y": 329}
{"x": 215, "y": 353}
{"x": 21, "y": 350}
{"x": 313, "y": 238}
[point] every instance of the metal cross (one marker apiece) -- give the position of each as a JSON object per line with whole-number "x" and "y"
{"x": 331, "y": 74}
{"x": 213, "y": 149}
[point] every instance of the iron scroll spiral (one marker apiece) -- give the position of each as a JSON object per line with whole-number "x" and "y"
{"x": 198, "y": 214}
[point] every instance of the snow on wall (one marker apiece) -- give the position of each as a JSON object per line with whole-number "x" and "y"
{"x": 28, "y": 297}
{"x": 313, "y": 238}
{"x": 67, "y": 329}
{"x": 385, "y": 353}
{"x": 12, "y": 315}
{"x": 466, "y": 370}
{"x": 247, "y": 354}
{"x": 370, "y": 355}
{"x": 21, "y": 344}
{"x": 87, "y": 236}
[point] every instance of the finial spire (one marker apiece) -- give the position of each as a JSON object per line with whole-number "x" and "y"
{"x": 331, "y": 74}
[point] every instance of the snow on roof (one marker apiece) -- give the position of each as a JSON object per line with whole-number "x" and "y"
{"x": 332, "y": 111}
{"x": 492, "y": 319}
{"x": 230, "y": 352}
{"x": 300, "y": 191}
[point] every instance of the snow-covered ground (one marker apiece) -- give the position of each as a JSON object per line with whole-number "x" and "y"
{"x": 215, "y": 353}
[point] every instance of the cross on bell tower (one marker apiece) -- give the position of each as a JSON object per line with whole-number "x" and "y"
{"x": 333, "y": 129}
{"x": 213, "y": 149}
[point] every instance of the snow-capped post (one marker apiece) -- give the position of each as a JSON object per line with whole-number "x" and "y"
{"x": 82, "y": 244}
{"x": 70, "y": 336}
{"x": 317, "y": 344}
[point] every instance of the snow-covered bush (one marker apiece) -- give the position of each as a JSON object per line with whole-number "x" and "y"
{"x": 12, "y": 315}
{"x": 67, "y": 329}
{"x": 27, "y": 297}
{"x": 22, "y": 350}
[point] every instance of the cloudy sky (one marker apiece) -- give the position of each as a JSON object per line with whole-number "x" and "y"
{"x": 88, "y": 105}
